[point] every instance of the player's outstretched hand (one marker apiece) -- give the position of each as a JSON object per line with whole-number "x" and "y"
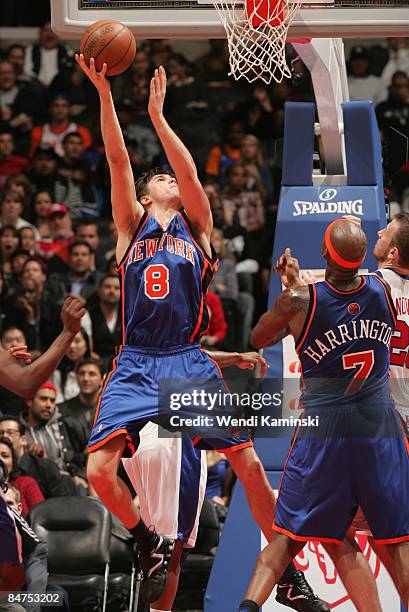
{"x": 248, "y": 361}
{"x": 20, "y": 353}
{"x": 288, "y": 268}
{"x": 157, "y": 93}
{"x": 71, "y": 314}
{"x": 97, "y": 78}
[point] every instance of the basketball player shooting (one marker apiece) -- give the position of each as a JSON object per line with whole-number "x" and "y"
{"x": 341, "y": 328}
{"x": 166, "y": 264}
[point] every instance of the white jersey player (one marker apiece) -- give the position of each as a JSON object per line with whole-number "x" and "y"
{"x": 392, "y": 253}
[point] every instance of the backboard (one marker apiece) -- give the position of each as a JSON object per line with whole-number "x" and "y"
{"x": 195, "y": 19}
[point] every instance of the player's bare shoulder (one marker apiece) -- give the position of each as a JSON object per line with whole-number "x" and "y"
{"x": 294, "y": 300}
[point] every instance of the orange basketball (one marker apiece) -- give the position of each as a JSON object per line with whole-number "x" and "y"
{"x": 109, "y": 42}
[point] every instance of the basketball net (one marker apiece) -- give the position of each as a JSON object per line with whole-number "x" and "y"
{"x": 256, "y": 35}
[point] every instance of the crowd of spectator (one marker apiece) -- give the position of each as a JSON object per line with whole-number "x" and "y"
{"x": 57, "y": 236}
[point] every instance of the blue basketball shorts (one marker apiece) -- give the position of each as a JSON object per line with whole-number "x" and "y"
{"x": 130, "y": 396}
{"x": 330, "y": 473}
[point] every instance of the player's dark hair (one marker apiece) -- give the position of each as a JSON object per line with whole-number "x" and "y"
{"x": 142, "y": 182}
{"x": 401, "y": 238}
{"x": 85, "y": 222}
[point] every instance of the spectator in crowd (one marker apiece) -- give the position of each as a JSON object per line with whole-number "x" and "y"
{"x": 9, "y": 162}
{"x": 44, "y": 175}
{"x": 212, "y": 190}
{"x": 46, "y": 58}
{"x": 239, "y": 201}
{"x": 216, "y": 331}
{"x": 213, "y": 67}
{"x": 23, "y": 311}
{"x": 18, "y": 259}
{"x": 394, "y": 113}
{"x": 362, "y": 84}
{"x": 73, "y": 149}
{"x": 29, "y": 490}
{"x": 398, "y": 59}
{"x": 226, "y": 285}
{"x": 34, "y": 270}
{"x": 190, "y": 109}
{"x": 105, "y": 318}
{"x": 72, "y": 82}
{"x": 28, "y": 240}
{"x": 87, "y": 231}
{"x": 19, "y": 106}
{"x": 259, "y": 175}
{"x": 11, "y": 337}
{"x": 142, "y": 137}
{"x": 12, "y": 207}
{"x": 221, "y": 157}
{"x": 44, "y": 471}
{"x": 42, "y": 202}
{"x": 90, "y": 374}
{"x": 22, "y": 184}
{"x": 135, "y": 88}
{"x": 60, "y": 230}
{"x": 16, "y": 56}
{"x": 78, "y": 278}
{"x": 52, "y": 134}
{"x": 10, "y": 241}
{"x": 113, "y": 238}
{"x": 64, "y": 377}
{"x": 63, "y": 440}
{"x": 263, "y": 113}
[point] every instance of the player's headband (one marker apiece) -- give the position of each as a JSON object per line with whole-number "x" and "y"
{"x": 335, "y": 256}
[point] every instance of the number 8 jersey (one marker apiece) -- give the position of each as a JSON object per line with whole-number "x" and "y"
{"x": 399, "y": 369}
{"x": 165, "y": 275}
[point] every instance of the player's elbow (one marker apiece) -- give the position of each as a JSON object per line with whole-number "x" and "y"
{"x": 118, "y": 157}
{"x": 256, "y": 339}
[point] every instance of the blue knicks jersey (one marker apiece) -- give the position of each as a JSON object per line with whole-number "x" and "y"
{"x": 165, "y": 275}
{"x": 344, "y": 346}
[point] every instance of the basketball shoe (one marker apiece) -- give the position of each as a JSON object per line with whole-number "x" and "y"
{"x": 155, "y": 568}
{"x": 296, "y": 593}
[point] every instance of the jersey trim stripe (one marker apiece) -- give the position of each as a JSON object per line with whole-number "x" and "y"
{"x": 361, "y": 286}
{"x": 211, "y": 260}
{"x": 287, "y": 458}
{"x": 117, "y": 432}
{"x": 404, "y": 538}
{"x": 310, "y": 315}
{"x": 104, "y": 386}
{"x": 202, "y": 303}
{"x": 233, "y": 449}
{"x": 388, "y": 297}
{"x": 300, "y": 538}
{"x": 141, "y": 223}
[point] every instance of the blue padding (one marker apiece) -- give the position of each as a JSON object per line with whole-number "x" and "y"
{"x": 362, "y": 144}
{"x": 237, "y": 553}
{"x": 298, "y": 143}
{"x": 273, "y": 451}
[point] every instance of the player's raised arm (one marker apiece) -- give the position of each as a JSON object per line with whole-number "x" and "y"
{"x": 193, "y": 196}
{"x": 126, "y": 210}
{"x": 26, "y": 381}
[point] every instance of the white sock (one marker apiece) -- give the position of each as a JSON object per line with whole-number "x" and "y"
{"x": 154, "y": 610}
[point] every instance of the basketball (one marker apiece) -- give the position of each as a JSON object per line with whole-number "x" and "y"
{"x": 109, "y": 42}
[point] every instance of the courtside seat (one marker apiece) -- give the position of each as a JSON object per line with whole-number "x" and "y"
{"x": 78, "y": 532}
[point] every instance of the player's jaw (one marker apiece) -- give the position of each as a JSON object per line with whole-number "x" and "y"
{"x": 383, "y": 244}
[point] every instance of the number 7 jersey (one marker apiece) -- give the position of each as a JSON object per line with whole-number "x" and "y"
{"x": 165, "y": 275}
{"x": 344, "y": 346}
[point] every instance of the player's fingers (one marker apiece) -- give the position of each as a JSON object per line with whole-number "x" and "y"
{"x": 92, "y": 65}
{"x": 104, "y": 69}
{"x": 287, "y": 252}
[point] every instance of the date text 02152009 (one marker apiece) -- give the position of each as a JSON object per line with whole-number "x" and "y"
{"x": 31, "y": 597}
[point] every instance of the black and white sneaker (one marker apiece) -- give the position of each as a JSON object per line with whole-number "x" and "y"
{"x": 155, "y": 568}
{"x": 298, "y": 595}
